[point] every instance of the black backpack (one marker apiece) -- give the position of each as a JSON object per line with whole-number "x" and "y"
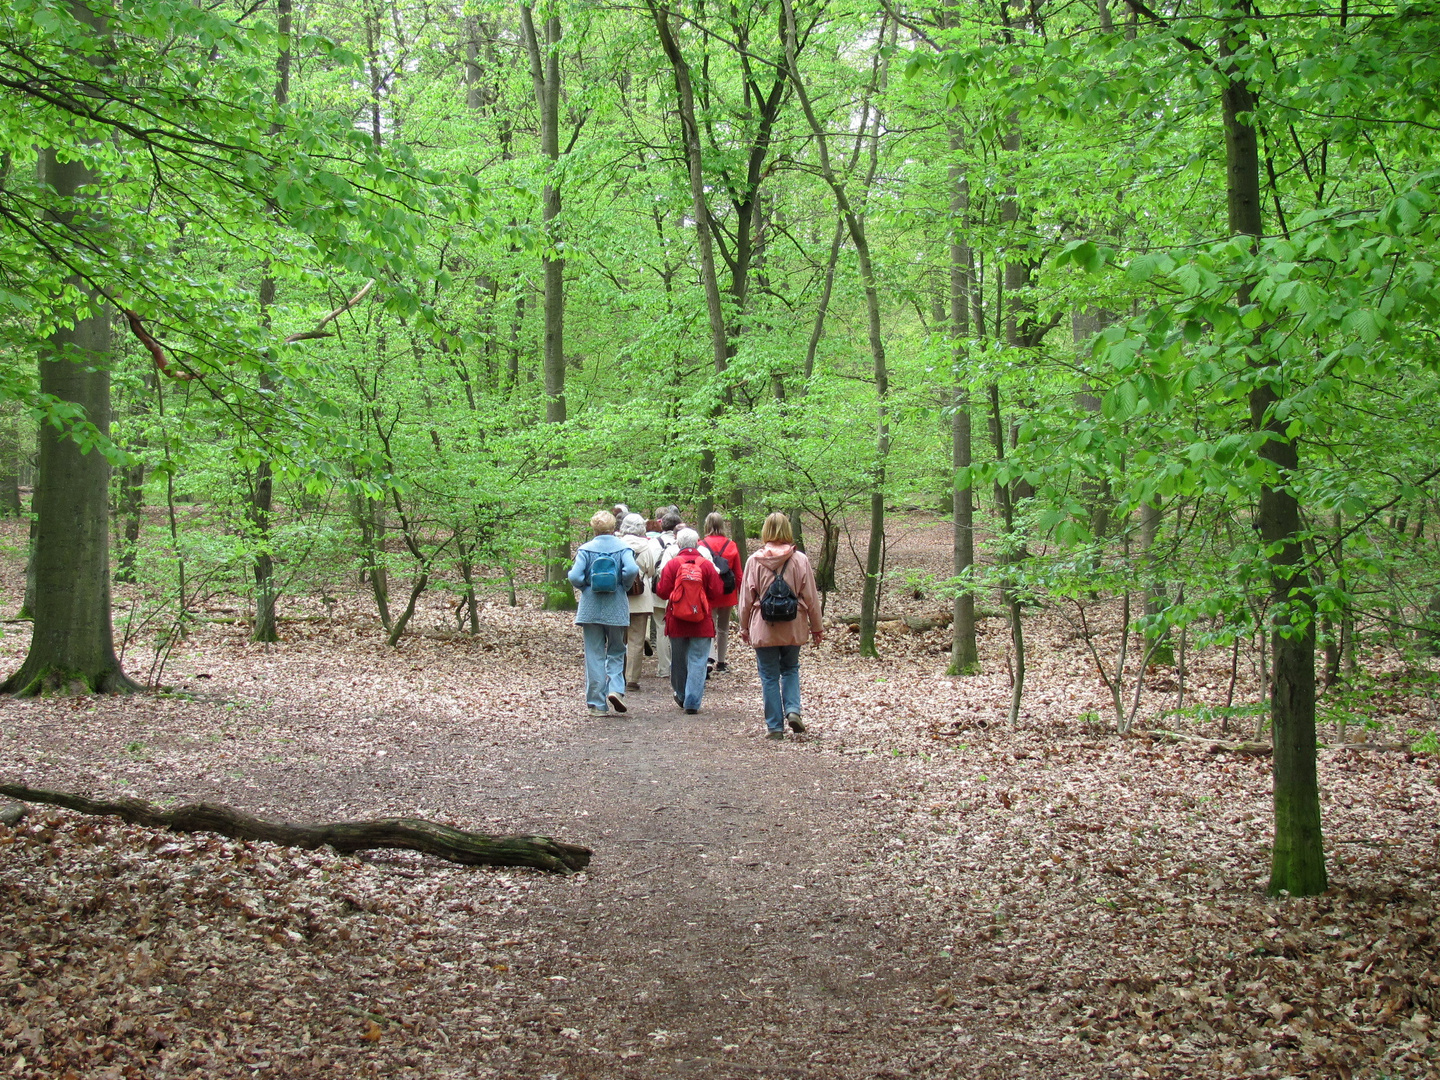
{"x": 780, "y": 604}
{"x": 723, "y": 568}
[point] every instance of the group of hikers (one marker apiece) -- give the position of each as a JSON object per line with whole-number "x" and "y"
{"x": 640, "y": 579}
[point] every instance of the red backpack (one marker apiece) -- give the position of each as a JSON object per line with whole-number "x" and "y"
{"x": 688, "y": 599}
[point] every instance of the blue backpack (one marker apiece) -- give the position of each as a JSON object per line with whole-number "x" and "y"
{"x": 605, "y": 572}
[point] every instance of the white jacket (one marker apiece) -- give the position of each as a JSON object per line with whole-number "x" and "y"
{"x": 646, "y": 556}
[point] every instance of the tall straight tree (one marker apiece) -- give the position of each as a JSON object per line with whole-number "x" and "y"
{"x": 545, "y": 75}
{"x": 262, "y": 497}
{"x": 855, "y": 225}
{"x": 748, "y": 129}
{"x": 700, "y": 209}
{"x": 1297, "y": 856}
{"x": 964, "y": 653}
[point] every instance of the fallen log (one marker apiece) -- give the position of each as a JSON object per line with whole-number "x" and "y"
{"x": 1262, "y": 749}
{"x": 1215, "y": 746}
{"x": 919, "y": 624}
{"x": 13, "y": 814}
{"x": 413, "y": 834}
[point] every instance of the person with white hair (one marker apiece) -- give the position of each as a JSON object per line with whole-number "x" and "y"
{"x": 642, "y": 602}
{"x": 691, "y": 588}
{"x": 603, "y": 571}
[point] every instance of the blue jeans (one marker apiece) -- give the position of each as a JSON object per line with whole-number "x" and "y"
{"x": 687, "y": 668}
{"x": 779, "y": 682}
{"x": 604, "y": 663}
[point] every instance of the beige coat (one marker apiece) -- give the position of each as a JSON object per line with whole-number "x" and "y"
{"x": 760, "y": 571}
{"x": 644, "y": 550}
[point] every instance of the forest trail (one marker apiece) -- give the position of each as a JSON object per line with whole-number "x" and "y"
{"x": 910, "y": 890}
{"x": 726, "y": 924}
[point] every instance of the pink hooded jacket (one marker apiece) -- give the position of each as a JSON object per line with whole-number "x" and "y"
{"x": 760, "y": 571}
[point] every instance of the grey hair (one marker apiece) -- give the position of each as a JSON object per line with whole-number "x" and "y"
{"x": 633, "y": 525}
{"x": 687, "y": 538}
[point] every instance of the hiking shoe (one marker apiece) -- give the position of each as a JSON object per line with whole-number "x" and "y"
{"x": 796, "y": 724}
{"x": 632, "y": 686}
{"x": 775, "y": 735}
{"x": 722, "y": 666}
{"x": 596, "y": 710}
{"x": 679, "y": 701}
{"x": 618, "y": 703}
{"x": 691, "y": 712}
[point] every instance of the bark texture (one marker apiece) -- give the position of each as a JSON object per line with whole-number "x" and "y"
{"x": 72, "y": 648}
{"x": 1298, "y": 857}
{"x": 411, "y": 834}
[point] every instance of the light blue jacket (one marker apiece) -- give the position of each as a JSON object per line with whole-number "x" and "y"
{"x": 605, "y": 609}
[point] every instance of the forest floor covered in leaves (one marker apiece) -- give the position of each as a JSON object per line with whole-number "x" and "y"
{"x": 914, "y": 888}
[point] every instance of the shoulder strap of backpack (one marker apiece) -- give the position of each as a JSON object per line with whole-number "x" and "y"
{"x": 780, "y": 573}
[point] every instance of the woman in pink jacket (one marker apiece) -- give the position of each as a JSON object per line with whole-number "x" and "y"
{"x": 777, "y": 644}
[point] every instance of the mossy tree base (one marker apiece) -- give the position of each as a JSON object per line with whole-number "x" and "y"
{"x": 54, "y": 680}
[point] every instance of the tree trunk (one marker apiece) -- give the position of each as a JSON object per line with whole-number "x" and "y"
{"x": 370, "y": 516}
{"x": 829, "y": 556}
{"x": 545, "y": 76}
{"x": 399, "y": 628}
{"x": 411, "y": 834}
{"x": 72, "y": 648}
{"x": 1298, "y": 859}
{"x": 130, "y": 510}
{"x": 1156, "y": 600}
{"x": 10, "y": 463}
{"x": 27, "y": 604}
{"x": 262, "y": 499}
{"x": 472, "y": 607}
{"x": 964, "y": 652}
{"x": 1005, "y": 502}
{"x": 704, "y": 240}
{"x": 855, "y": 224}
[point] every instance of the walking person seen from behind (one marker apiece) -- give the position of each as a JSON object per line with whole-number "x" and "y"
{"x": 603, "y": 571}
{"x": 726, "y": 557}
{"x": 691, "y": 588}
{"x": 642, "y": 599}
{"x": 779, "y": 610}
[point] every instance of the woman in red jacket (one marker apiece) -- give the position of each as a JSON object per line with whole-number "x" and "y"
{"x": 777, "y": 644}
{"x": 691, "y": 588}
{"x": 722, "y": 547}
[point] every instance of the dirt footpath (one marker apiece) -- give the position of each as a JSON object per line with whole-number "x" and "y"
{"x": 727, "y": 927}
{"x": 733, "y": 922}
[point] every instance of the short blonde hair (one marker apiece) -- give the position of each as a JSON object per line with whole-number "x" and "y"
{"x": 603, "y": 522}
{"x": 777, "y": 527}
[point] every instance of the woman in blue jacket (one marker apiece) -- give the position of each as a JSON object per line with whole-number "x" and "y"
{"x": 603, "y": 570}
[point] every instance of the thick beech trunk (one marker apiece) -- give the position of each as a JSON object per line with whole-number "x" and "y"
{"x": 411, "y": 834}
{"x": 72, "y": 647}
